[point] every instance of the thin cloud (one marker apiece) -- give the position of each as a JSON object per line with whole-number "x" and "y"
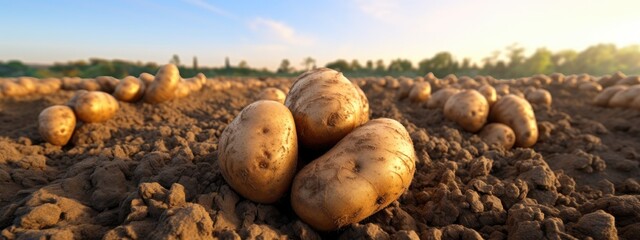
{"x": 209, "y": 7}
{"x": 381, "y": 9}
{"x": 279, "y": 32}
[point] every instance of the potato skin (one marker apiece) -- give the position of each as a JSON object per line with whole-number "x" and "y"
{"x": 129, "y": 89}
{"x": 95, "y": 106}
{"x": 272, "y": 94}
{"x": 326, "y": 107}
{"x": 440, "y": 97}
{"x": 366, "y": 171}
{"x": 420, "y": 92}
{"x": 258, "y": 152}
{"x": 517, "y": 113}
{"x": 164, "y": 85}
{"x": 146, "y": 78}
{"x": 468, "y": 108}
{"x": 602, "y": 99}
{"x": 498, "y": 134}
{"x": 56, "y": 124}
{"x": 74, "y": 99}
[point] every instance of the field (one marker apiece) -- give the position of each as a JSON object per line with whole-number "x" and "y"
{"x": 151, "y": 172}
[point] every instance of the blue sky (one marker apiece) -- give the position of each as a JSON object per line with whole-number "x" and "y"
{"x": 264, "y": 32}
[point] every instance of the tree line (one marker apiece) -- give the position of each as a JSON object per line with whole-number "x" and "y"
{"x": 596, "y": 60}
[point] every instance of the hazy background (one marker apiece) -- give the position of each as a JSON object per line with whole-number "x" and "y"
{"x": 260, "y": 34}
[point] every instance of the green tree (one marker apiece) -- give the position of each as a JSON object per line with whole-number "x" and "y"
{"x": 599, "y": 59}
{"x": 400, "y": 66}
{"x": 243, "y": 64}
{"x": 441, "y": 64}
{"x": 380, "y": 68}
{"x": 369, "y": 65}
{"x": 339, "y": 65}
{"x": 309, "y": 63}
{"x": 175, "y": 60}
{"x": 195, "y": 63}
{"x": 285, "y": 66}
{"x": 540, "y": 62}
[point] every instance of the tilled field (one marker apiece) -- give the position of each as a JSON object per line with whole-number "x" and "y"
{"x": 151, "y": 172}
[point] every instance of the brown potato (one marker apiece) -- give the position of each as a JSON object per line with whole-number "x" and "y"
{"x": 28, "y": 83}
{"x": 498, "y": 134}
{"x": 164, "y": 85}
{"x": 624, "y": 97}
{"x": 405, "y": 87}
{"x": 366, "y": 171}
{"x": 489, "y": 93}
{"x": 89, "y": 85}
{"x": 629, "y": 81}
{"x": 258, "y": 151}
{"x": 146, "y": 78}
{"x": 12, "y": 89}
{"x": 440, "y": 97}
{"x": 272, "y": 94}
{"x": 502, "y": 89}
{"x": 74, "y": 99}
{"x": 468, "y": 108}
{"x": 517, "y": 113}
{"x": 129, "y": 89}
{"x": 95, "y": 106}
{"x": 326, "y": 107}
{"x": 107, "y": 84}
{"x": 590, "y": 87}
{"x": 421, "y": 92}
{"x": 603, "y": 98}
{"x": 56, "y": 124}
{"x": 539, "y": 96}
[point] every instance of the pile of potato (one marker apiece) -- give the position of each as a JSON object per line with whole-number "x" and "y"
{"x": 363, "y": 165}
{"x": 56, "y": 124}
{"x": 621, "y": 91}
{"x": 23, "y": 86}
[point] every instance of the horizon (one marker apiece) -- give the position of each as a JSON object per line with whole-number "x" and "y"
{"x": 46, "y": 33}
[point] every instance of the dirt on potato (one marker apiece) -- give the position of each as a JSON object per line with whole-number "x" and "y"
{"x": 151, "y": 172}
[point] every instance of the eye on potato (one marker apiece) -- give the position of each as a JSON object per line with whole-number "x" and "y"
{"x": 258, "y": 151}
{"x": 164, "y": 85}
{"x": 468, "y": 108}
{"x": 129, "y": 89}
{"x": 56, "y": 124}
{"x": 498, "y": 134}
{"x": 272, "y": 94}
{"x": 95, "y": 106}
{"x": 366, "y": 171}
{"x": 326, "y": 107}
{"x": 440, "y": 97}
{"x": 420, "y": 92}
{"x": 517, "y": 113}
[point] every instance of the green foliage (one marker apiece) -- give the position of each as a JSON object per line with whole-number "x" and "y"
{"x": 599, "y": 59}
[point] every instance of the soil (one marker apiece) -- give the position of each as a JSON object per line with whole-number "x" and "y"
{"x": 151, "y": 172}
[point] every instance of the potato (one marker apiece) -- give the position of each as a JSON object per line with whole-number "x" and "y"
{"x": 89, "y": 85}
{"x": 498, "y": 134}
{"x": 366, "y": 171}
{"x": 164, "y": 85}
{"x": 28, "y": 83}
{"x": 430, "y": 77}
{"x": 129, "y": 89}
{"x": 539, "y": 96}
{"x": 12, "y": 89}
{"x": 603, "y": 98}
{"x": 517, "y": 113}
{"x": 326, "y": 107}
{"x": 557, "y": 78}
{"x": 95, "y": 106}
{"x": 440, "y": 97}
{"x": 468, "y": 108}
{"x": 258, "y": 151}
{"x": 624, "y": 97}
{"x": 392, "y": 83}
{"x": 272, "y": 94}
{"x": 405, "y": 87}
{"x": 421, "y": 92}
{"x": 56, "y": 124}
{"x": 71, "y": 83}
{"x": 502, "y": 89}
{"x": 606, "y": 81}
{"x": 489, "y": 93}
{"x": 146, "y": 78}
{"x": 468, "y": 83}
{"x": 590, "y": 87}
{"x": 629, "y": 81}
{"x": 107, "y": 83}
